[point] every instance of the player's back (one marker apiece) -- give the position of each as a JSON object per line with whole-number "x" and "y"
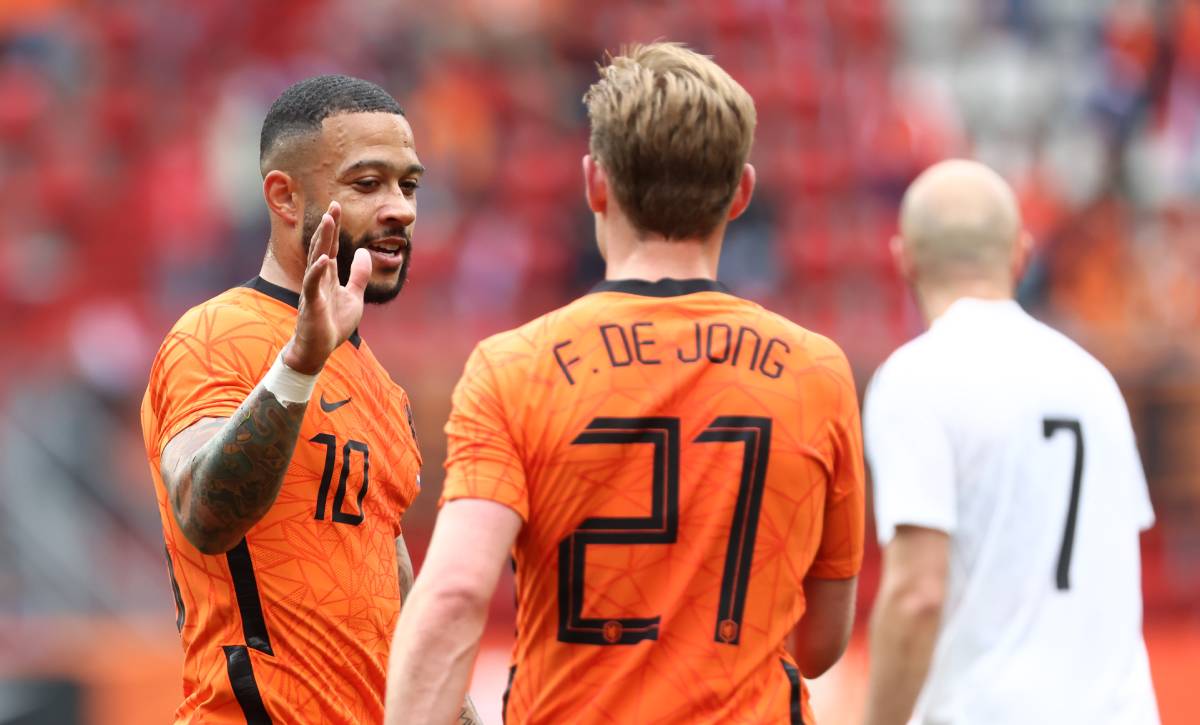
{"x": 1042, "y": 621}
{"x": 683, "y": 459}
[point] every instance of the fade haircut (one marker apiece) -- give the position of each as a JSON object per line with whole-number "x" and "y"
{"x": 303, "y": 106}
{"x": 672, "y": 131}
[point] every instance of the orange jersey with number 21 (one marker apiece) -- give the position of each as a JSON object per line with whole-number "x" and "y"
{"x": 682, "y": 459}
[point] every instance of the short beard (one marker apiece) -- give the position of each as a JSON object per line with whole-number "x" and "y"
{"x": 374, "y": 294}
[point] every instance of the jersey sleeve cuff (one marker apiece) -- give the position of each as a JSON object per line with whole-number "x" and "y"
{"x": 835, "y": 569}
{"x": 223, "y": 409}
{"x": 886, "y": 531}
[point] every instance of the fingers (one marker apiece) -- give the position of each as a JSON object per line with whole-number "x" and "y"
{"x": 317, "y": 245}
{"x": 315, "y": 275}
{"x": 335, "y": 213}
{"x": 360, "y": 273}
{"x": 324, "y": 239}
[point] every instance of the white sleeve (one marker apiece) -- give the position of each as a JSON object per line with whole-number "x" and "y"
{"x": 912, "y": 461}
{"x": 1139, "y": 490}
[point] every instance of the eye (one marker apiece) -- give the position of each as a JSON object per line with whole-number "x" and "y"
{"x": 410, "y": 187}
{"x": 366, "y": 185}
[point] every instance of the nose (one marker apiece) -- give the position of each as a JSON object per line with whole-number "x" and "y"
{"x": 398, "y": 209}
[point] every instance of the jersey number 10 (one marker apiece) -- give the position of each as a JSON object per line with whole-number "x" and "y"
{"x": 339, "y": 496}
{"x": 661, "y": 526}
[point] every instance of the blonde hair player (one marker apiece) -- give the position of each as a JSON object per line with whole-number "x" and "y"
{"x": 675, "y": 471}
{"x": 1008, "y": 491}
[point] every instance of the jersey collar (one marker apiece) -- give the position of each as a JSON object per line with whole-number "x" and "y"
{"x": 977, "y": 306}
{"x": 288, "y": 297}
{"x": 665, "y": 287}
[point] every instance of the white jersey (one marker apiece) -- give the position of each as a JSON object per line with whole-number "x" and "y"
{"x": 1011, "y": 438}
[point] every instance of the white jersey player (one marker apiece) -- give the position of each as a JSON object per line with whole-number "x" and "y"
{"x": 1009, "y": 495}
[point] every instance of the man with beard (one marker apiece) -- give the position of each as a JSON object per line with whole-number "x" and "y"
{"x": 282, "y": 519}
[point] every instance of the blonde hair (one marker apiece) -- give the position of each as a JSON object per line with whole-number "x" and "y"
{"x": 672, "y": 131}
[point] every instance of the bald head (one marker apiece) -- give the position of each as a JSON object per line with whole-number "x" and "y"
{"x": 960, "y": 221}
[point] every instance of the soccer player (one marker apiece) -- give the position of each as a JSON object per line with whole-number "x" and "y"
{"x": 676, "y": 472}
{"x": 1008, "y": 491}
{"x": 281, "y": 516}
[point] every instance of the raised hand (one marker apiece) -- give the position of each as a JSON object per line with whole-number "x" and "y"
{"x": 329, "y": 312}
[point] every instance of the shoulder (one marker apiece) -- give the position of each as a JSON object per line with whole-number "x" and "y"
{"x": 912, "y": 370}
{"x": 1054, "y": 341}
{"x": 521, "y": 344}
{"x": 913, "y": 359}
{"x": 1070, "y": 361}
{"x": 233, "y": 312}
{"x": 232, "y": 329}
{"x": 812, "y": 350}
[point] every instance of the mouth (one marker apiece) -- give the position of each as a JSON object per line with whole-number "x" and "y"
{"x": 389, "y": 246}
{"x": 388, "y": 252}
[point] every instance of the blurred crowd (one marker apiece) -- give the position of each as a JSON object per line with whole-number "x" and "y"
{"x": 129, "y": 191}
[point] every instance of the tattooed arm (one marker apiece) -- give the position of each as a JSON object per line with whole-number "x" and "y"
{"x": 467, "y": 715}
{"x": 223, "y": 474}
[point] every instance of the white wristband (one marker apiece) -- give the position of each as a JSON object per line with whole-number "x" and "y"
{"x": 287, "y": 385}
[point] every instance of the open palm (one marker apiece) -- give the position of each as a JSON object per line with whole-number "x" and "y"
{"x": 329, "y": 311}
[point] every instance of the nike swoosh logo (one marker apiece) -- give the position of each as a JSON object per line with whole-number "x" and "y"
{"x": 330, "y": 407}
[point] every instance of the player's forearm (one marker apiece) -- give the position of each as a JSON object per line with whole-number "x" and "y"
{"x": 815, "y": 658}
{"x": 432, "y": 653}
{"x": 903, "y": 633}
{"x": 824, "y": 631}
{"x": 232, "y": 480}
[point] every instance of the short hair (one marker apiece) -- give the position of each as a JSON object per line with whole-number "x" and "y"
{"x": 672, "y": 131}
{"x": 302, "y": 107}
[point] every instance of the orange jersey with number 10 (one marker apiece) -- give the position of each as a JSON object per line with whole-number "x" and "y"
{"x": 682, "y": 459}
{"x": 293, "y": 625}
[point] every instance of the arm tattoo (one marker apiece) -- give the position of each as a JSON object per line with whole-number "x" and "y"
{"x": 232, "y": 479}
{"x": 467, "y": 715}
{"x": 404, "y": 569}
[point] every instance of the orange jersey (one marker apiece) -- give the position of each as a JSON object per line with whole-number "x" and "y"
{"x": 682, "y": 459}
{"x": 294, "y": 624}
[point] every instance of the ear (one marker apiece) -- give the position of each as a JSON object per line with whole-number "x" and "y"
{"x": 595, "y": 185}
{"x": 902, "y": 260}
{"x": 741, "y": 195}
{"x": 282, "y": 195}
{"x": 1021, "y": 256}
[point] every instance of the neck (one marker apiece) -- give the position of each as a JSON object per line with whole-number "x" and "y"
{"x": 629, "y": 255}
{"x": 276, "y": 272}
{"x": 934, "y": 301}
{"x": 657, "y": 259}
